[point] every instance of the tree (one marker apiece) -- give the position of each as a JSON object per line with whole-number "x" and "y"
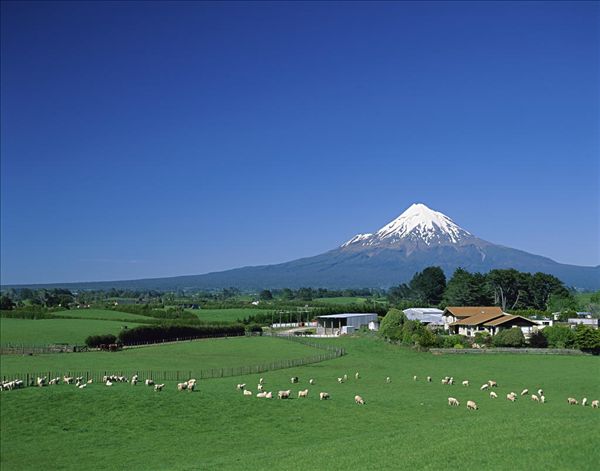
{"x": 509, "y": 338}
{"x": 466, "y": 289}
{"x": 510, "y": 288}
{"x": 265, "y": 295}
{"x": 541, "y": 286}
{"x": 562, "y": 302}
{"x": 287, "y": 294}
{"x": 6, "y": 304}
{"x": 429, "y": 285}
{"x": 391, "y": 325}
{"x": 559, "y": 336}
{"x": 538, "y": 340}
{"x": 587, "y": 339}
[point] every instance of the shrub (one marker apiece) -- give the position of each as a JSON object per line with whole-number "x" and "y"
{"x": 559, "y": 336}
{"x": 391, "y": 325}
{"x": 254, "y": 328}
{"x": 538, "y": 340}
{"x": 94, "y": 341}
{"x": 459, "y": 346}
{"x": 587, "y": 339}
{"x": 450, "y": 341}
{"x": 509, "y": 338}
{"x": 483, "y": 338}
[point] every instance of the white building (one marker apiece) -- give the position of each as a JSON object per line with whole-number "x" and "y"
{"x": 593, "y": 323}
{"x": 346, "y": 323}
{"x": 425, "y": 315}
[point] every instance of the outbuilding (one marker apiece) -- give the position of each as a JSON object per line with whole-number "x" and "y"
{"x": 337, "y": 324}
{"x": 431, "y": 317}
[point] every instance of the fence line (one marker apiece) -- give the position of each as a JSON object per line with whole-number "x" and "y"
{"x": 530, "y": 351}
{"x": 182, "y": 375}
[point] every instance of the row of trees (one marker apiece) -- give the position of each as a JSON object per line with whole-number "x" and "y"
{"x": 509, "y": 289}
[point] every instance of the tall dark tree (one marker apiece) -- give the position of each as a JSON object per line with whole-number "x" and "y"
{"x": 541, "y": 287}
{"x": 6, "y": 304}
{"x": 466, "y": 289}
{"x": 510, "y": 288}
{"x": 265, "y": 295}
{"x": 429, "y": 285}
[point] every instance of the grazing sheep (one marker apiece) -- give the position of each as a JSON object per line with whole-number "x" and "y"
{"x": 134, "y": 381}
{"x": 465, "y": 382}
{"x": 492, "y": 384}
{"x": 414, "y": 377}
{"x": 484, "y": 386}
{"x": 540, "y": 392}
{"x": 159, "y": 387}
{"x": 584, "y": 401}
{"x": 70, "y": 379}
{"x": 191, "y": 386}
{"x": 262, "y": 394}
{"x": 340, "y": 380}
{"x": 524, "y": 392}
{"x": 452, "y": 401}
{"x": 269, "y": 395}
{"x": 311, "y": 381}
{"x": 90, "y": 381}
{"x": 388, "y": 380}
{"x": 241, "y": 386}
{"x": 294, "y": 379}
{"x": 109, "y": 383}
{"x": 572, "y": 401}
{"x": 82, "y": 386}
{"x": 345, "y": 377}
{"x": 542, "y": 399}
{"x": 149, "y": 382}
{"x": 429, "y": 379}
{"x": 511, "y": 397}
{"x": 260, "y": 387}
{"x": 359, "y": 400}
{"x": 323, "y": 396}
{"x": 595, "y": 404}
{"x": 451, "y": 381}
{"x": 181, "y": 386}
{"x": 261, "y": 381}
{"x": 356, "y": 375}
{"x": 445, "y": 381}
{"x": 493, "y": 395}
{"x": 247, "y": 393}
{"x": 303, "y": 393}
{"x": 284, "y": 394}
{"x": 535, "y": 398}
{"x": 471, "y": 405}
{"x": 53, "y": 381}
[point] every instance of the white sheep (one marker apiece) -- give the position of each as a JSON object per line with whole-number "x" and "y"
{"x": 311, "y": 381}
{"x": 572, "y": 401}
{"x": 465, "y": 382}
{"x": 511, "y": 397}
{"x": 262, "y": 394}
{"x": 535, "y": 398}
{"x": 82, "y": 386}
{"x": 158, "y": 387}
{"x": 261, "y": 381}
{"x": 294, "y": 379}
{"x": 323, "y": 396}
{"x": 340, "y": 380}
{"x": 584, "y": 401}
{"x": 388, "y": 380}
{"x": 543, "y": 399}
{"x": 524, "y": 392}
{"x": 260, "y": 387}
{"x": 429, "y": 379}
{"x": 345, "y": 377}
{"x": 109, "y": 383}
{"x": 445, "y": 381}
{"x": 90, "y": 381}
{"x": 492, "y": 384}
{"x": 484, "y": 386}
{"x": 359, "y": 400}
{"x": 149, "y": 382}
{"x": 540, "y": 392}
{"x": 451, "y": 381}
{"x": 181, "y": 386}
{"x": 471, "y": 405}
{"x": 595, "y": 404}
{"x": 356, "y": 375}
{"x": 284, "y": 394}
{"x": 191, "y": 386}
{"x": 414, "y": 377}
{"x": 493, "y": 395}
{"x": 241, "y": 386}
{"x": 303, "y": 393}
{"x": 452, "y": 401}
{"x": 247, "y": 393}
{"x": 269, "y": 395}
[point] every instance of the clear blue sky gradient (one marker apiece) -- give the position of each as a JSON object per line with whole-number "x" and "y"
{"x": 155, "y": 139}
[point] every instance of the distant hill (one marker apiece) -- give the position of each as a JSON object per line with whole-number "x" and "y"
{"x": 418, "y": 238}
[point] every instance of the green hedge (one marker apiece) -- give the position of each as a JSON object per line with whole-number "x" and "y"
{"x": 159, "y": 333}
{"x": 94, "y": 341}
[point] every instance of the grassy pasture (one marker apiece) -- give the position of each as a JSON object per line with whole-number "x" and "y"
{"x": 47, "y": 331}
{"x": 225, "y": 315}
{"x": 195, "y": 355}
{"x": 404, "y": 425}
{"x": 103, "y": 314}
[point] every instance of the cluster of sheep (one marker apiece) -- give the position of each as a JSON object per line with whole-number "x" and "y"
{"x": 573, "y": 402}
{"x": 286, "y": 394}
{"x": 10, "y": 385}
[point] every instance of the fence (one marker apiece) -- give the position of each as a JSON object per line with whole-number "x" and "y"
{"x": 530, "y": 351}
{"x": 11, "y": 349}
{"x": 329, "y": 353}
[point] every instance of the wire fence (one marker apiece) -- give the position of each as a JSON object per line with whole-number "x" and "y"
{"x": 328, "y": 353}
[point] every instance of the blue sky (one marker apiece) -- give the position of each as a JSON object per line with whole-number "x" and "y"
{"x": 150, "y": 139}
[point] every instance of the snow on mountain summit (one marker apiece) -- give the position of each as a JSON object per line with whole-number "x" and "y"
{"x": 417, "y": 224}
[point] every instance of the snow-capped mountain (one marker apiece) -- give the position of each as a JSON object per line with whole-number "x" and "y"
{"x": 418, "y": 225}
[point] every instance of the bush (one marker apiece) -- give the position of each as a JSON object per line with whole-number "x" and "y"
{"x": 559, "y": 336}
{"x": 538, "y": 340}
{"x": 94, "y": 341}
{"x": 587, "y": 339}
{"x": 391, "y": 325}
{"x": 254, "y": 328}
{"x": 483, "y": 339}
{"x": 509, "y": 338}
{"x": 450, "y": 341}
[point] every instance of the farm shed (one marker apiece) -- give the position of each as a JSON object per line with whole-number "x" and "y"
{"x": 425, "y": 315}
{"x": 336, "y": 324}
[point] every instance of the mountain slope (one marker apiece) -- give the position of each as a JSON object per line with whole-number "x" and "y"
{"x": 418, "y": 238}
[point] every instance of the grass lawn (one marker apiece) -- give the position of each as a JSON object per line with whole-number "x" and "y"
{"x": 47, "y": 331}
{"x": 341, "y": 300}
{"x": 102, "y": 314}
{"x": 225, "y": 315}
{"x": 405, "y": 424}
{"x": 195, "y": 355}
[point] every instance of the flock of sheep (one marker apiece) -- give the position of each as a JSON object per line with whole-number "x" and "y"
{"x": 190, "y": 385}
{"x": 511, "y": 396}
{"x": 287, "y": 393}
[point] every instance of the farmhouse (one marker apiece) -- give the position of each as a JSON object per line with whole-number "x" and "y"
{"x": 428, "y": 316}
{"x": 593, "y": 323}
{"x": 484, "y": 319}
{"x": 338, "y": 324}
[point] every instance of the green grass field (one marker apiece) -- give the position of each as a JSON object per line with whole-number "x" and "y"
{"x": 404, "y": 424}
{"x": 47, "y": 331}
{"x": 341, "y": 300}
{"x": 225, "y": 315}
{"x": 103, "y": 314}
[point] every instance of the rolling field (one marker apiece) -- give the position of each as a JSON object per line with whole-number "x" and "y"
{"x": 404, "y": 424}
{"x": 47, "y": 331}
{"x": 103, "y": 314}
